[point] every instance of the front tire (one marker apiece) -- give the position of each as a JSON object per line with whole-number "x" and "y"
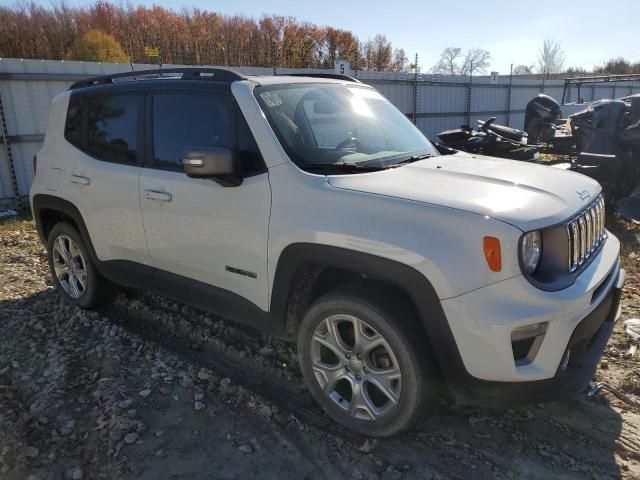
{"x": 73, "y": 271}
{"x": 363, "y": 356}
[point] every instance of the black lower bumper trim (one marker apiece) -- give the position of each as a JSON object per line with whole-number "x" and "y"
{"x": 585, "y": 349}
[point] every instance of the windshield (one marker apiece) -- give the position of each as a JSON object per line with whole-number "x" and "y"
{"x": 336, "y": 124}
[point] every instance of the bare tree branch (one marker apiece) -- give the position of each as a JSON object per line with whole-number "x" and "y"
{"x": 448, "y": 63}
{"x": 476, "y": 60}
{"x": 551, "y": 57}
{"x": 454, "y": 62}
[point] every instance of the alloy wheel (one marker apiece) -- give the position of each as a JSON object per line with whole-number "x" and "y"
{"x": 356, "y": 367}
{"x": 69, "y": 266}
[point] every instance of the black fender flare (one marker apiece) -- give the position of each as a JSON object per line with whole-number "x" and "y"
{"x": 119, "y": 271}
{"x": 43, "y": 201}
{"x": 410, "y": 281}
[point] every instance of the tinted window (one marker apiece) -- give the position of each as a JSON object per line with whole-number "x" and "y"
{"x": 73, "y": 125}
{"x": 329, "y": 124}
{"x": 112, "y": 127}
{"x": 182, "y": 121}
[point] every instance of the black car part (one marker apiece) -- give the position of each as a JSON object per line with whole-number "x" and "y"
{"x": 490, "y": 139}
{"x": 603, "y": 140}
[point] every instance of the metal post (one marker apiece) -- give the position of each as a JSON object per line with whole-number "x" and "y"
{"x": 614, "y": 90}
{"x": 469, "y": 93}
{"x": 415, "y": 91}
{"x": 273, "y": 56}
{"x": 542, "y": 88}
{"x": 509, "y": 93}
{"x": 9, "y": 154}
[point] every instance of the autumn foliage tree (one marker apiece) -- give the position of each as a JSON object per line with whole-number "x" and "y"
{"x": 191, "y": 36}
{"x": 97, "y": 46}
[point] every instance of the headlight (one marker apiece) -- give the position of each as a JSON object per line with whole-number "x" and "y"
{"x": 530, "y": 251}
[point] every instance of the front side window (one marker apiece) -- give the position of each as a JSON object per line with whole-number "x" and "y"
{"x": 112, "y": 127}
{"x": 183, "y": 121}
{"x": 337, "y": 124}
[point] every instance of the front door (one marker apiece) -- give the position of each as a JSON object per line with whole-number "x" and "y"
{"x": 197, "y": 228}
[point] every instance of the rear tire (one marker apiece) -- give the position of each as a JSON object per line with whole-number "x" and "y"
{"x": 73, "y": 271}
{"x": 364, "y": 357}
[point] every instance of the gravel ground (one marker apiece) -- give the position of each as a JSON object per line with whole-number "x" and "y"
{"x": 150, "y": 388}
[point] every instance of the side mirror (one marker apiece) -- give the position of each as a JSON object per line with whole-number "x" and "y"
{"x": 216, "y": 163}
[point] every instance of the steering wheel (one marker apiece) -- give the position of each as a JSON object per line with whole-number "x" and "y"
{"x": 348, "y": 141}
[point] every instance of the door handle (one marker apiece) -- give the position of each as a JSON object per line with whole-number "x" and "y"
{"x": 158, "y": 196}
{"x": 80, "y": 180}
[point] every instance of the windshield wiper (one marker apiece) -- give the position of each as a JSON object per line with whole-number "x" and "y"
{"x": 411, "y": 159}
{"x": 340, "y": 167}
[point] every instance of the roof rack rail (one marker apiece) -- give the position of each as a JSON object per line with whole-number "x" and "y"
{"x": 188, "y": 73}
{"x": 595, "y": 79}
{"x": 336, "y": 76}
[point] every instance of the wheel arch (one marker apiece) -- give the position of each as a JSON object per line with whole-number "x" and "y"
{"x": 49, "y": 209}
{"x": 300, "y": 265}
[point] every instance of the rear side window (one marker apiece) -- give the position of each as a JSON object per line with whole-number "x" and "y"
{"x": 73, "y": 124}
{"x": 183, "y": 121}
{"x": 112, "y": 127}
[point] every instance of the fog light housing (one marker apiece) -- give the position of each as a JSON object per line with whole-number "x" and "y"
{"x": 526, "y": 341}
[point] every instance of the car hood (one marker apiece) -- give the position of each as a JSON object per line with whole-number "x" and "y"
{"x": 525, "y": 195}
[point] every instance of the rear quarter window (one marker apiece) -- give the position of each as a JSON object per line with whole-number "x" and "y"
{"x": 73, "y": 123}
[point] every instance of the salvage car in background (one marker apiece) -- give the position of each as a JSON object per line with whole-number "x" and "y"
{"x": 602, "y": 140}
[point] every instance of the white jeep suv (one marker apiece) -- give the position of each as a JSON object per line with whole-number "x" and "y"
{"x": 310, "y": 208}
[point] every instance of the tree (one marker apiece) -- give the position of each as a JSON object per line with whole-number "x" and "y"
{"x": 476, "y": 60}
{"x": 400, "y": 62}
{"x": 617, "y": 66}
{"x": 97, "y": 46}
{"x": 577, "y": 72}
{"x": 550, "y": 57}
{"x": 454, "y": 62}
{"x": 188, "y": 36}
{"x": 381, "y": 53}
{"x": 376, "y": 54}
{"x": 523, "y": 70}
{"x": 448, "y": 63}
{"x": 339, "y": 45}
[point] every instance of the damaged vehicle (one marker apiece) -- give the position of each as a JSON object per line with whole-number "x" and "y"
{"x": 313, "y": 210}
{"x": 492, "y": 140}
{"x": 603, "y": 140}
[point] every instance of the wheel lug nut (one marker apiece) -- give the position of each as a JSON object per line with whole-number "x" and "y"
{"x": 348, "y": 355}
{"x": 358, "y": 377}
{"x": 359, "y": 356}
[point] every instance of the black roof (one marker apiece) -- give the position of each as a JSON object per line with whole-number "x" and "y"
{"x": 188, "y": 73}
{"x": 196, "y": 73}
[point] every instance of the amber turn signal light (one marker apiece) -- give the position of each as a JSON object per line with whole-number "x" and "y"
{"x": 492, "y": 253}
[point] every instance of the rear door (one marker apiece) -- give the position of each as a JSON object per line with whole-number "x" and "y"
{"x": 198, "y": 229}
{"x": 102, "y": 169}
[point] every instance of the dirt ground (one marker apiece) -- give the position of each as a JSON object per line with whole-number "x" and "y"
{"x": 150, "y": 388}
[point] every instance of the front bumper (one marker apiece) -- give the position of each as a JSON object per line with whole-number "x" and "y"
{"x": 584, "y": 348}
{"x": 580, "y": 321}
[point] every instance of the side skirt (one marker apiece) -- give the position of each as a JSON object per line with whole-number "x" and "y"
{"x": 218, "y": 301}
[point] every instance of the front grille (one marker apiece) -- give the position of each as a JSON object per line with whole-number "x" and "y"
{"x": 586, "y": 233}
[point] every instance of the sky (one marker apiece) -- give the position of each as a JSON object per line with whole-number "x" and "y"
{"x": 590, "y": 31}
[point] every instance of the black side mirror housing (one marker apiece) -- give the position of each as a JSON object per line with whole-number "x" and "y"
{"x": 216, "y": 163}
